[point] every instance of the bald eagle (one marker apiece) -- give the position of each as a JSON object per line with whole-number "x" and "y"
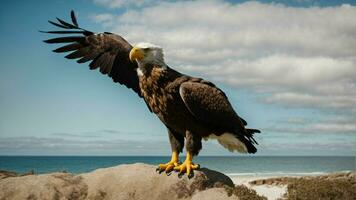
{"x": 191, "y": 108}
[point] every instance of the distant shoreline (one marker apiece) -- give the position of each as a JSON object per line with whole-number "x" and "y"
{"x": 230, "y": 156}
{"x": 287, "y": 174}
{"x": 237, "y": 165}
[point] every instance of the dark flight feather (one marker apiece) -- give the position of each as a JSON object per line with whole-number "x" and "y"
{"x": 87, "y": 57}
{"x": 243, "y": 121}
{"x": 66, "y": 39}
{"x": 69, "y": 47}
{"x": 62, "y": 32}
{"x": 103, "y": 50}
{"x": 74, "y": 19}
{"x": 66, "y": 24}
{"x": 59, "y": 25}
{"x": 77, "y": 54}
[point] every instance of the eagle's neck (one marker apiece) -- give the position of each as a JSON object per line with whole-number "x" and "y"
{"x": 152, "y": 82}
{"x": 145, "y": 69}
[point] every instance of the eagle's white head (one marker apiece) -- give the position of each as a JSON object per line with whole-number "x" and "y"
{"x": 147, "y": 54}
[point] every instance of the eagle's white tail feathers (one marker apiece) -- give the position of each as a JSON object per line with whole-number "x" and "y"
{"x": 230, "y": 142}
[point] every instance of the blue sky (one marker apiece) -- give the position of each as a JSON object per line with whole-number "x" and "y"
{"x": 288, "y": 68}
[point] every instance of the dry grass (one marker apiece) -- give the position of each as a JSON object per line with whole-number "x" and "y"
{"x": 334, "y": 186}
{"x": 325, "y": 189}
{"x": 245, "y": 193}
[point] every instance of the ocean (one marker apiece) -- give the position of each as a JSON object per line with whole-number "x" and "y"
{"x": 233, "y": 166}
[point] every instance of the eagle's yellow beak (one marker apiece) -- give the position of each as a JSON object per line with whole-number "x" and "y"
{"x": 136, "y": 54}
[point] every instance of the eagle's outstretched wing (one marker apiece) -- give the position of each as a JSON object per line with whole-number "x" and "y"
{"x": 106, "y": 51}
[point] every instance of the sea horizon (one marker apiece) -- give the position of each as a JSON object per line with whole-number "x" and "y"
{"x": 231, "y": 165}
{"x": 240, "y": 155}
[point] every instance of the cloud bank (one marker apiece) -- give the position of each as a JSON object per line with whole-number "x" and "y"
{"x": 291, "y": 56}
{"x": 71, "y": 146}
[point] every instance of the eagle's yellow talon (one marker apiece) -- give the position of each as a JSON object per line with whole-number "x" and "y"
{"x": 187, "y": 166}
{"x": 168, "y": 167}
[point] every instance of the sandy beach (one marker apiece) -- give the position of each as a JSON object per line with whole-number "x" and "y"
{"x": 272, "y": 192}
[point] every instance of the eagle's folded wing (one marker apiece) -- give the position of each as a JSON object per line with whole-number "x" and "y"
{"x": 208, "y": 104}
{"x": 106, "y": 51}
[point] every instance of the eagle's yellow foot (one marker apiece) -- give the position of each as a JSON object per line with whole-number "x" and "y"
{"x": 187, "y": 166}
{"x": 168, "y": 167}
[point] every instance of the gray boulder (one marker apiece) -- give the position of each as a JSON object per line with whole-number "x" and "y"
{"x": 126, "y": 182}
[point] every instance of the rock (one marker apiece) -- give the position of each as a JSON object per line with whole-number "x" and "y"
{"x": 6, "y": 174}
{"x": 135, "y": 181}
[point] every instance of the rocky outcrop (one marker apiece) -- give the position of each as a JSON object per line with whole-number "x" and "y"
{"x": 344, "y": 176}
{"x": 135, "y": 181}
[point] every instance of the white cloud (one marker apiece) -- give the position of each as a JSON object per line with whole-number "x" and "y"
{"x": 78, "y": 146}
{"x": 309, "y": 147}
{"x": 337, "y": 125}
{"x": 296, "y": 57}
{"x": 324, "y": 101}
{"x": 122, "y": 3}
{"x": 105, "y": 19}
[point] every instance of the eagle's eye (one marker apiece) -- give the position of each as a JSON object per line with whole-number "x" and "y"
{"x": 145, "y": 49}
